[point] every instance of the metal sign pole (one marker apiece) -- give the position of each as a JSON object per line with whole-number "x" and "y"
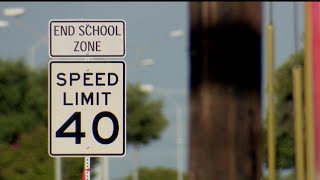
{"x": 105, "y": 168}
{"x": 87, "y": 158}
{"x": 58, "y": 168}
{"x": 86, "y": 171}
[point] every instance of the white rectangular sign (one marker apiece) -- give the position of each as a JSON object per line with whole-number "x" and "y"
{"x": 87, "y": 38}
{"x": 87, "y": 108}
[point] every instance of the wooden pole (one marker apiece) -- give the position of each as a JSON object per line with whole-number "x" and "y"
{"x": 225, "y": 83}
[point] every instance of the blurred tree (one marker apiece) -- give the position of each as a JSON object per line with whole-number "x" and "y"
{"x": 15, "y": 117}
{"x": 72, "y": 168}
{"x": 28, "y": 159}
{"x": 145, "y": 118}
{"x": 159, "y": 173}
{"x": 23, "y": 122}
{"x": 284, "y": 113}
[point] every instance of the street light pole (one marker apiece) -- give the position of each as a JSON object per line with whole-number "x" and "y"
{"x": 178, "y": 111}
{"x": 33, "y": 50}
{"x": 17, "y": 12}
{"x": 136, "y": 162}
{"x": 139, "y": 51}
{"x": 135, "y": 147}
{"x": 138, "y": 58}
{"x": 105, "y": 169}
{"x": 179, "y": 141}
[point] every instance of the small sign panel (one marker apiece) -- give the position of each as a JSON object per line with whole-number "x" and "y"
{"x": 87, "y": 38}
{"x": 87, "y": 108}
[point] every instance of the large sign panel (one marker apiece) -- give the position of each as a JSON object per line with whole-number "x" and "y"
{"x": 87, "y": 108}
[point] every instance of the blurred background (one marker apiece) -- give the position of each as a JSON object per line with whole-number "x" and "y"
{"x": 156, "y": 41}
{"x": 158, "y": 67}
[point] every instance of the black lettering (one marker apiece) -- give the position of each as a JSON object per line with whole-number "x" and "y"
{"x": 87, "y": 46}
{"x": 74, "y": 79}
{"x": 117, "y": 31}
{"x": 99, "y": 78}
{"x": 83, "y": 48}
{"x": 87, "y": 99}
{"x": 96, "y": 30}
{"x": 56, "y": 30}
{"x": 88, "y": 34}
{"x": 60, "y": 78}
{"x": 61, "y": 132}
{"x": 106, "y": 97}
{"x": 95, "y": 124}
{"x": 97, "y": 98}
{"x": 112, "y": 28}
{"x": 85, "y": 78}
{"x": 82, "y": 31}
{"x": 109, "y": 79}
{"x": 71, "y": 30}
{"x": 64, "y": 99}
{"x": 91, "y": 46}
{"x": 64, "y": 30}
{"x": 98, "y": 43}
{"x": 75, "y": 48}
{"x": 76, "y": 98}
{"x": 103, "y": 30}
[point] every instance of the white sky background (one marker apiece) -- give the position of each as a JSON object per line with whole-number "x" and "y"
{"x": 145, "y": 22}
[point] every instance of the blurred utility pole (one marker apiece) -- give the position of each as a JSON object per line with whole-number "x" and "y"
{"x": 225, "y": 111}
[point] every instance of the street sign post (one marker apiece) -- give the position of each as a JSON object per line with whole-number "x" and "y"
{"x": 87, "y": 108}
{"x": 87, "y": 99}
{"x": 87, "y": 38}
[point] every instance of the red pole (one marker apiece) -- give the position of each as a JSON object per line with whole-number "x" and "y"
{"x": 83, "y": 175}
{"x": 315, "y": 58}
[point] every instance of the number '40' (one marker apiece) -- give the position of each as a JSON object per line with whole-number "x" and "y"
{"x": 78, "y": 134}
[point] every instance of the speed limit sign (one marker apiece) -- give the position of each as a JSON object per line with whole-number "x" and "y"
{"x": 87, "y": 108}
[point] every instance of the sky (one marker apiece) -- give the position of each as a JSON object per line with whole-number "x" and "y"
{"x": 146, "y": 23}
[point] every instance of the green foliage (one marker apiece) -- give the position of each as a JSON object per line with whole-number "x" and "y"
{"x": 28, "y": 159}
{"x": 14, "y": 82}
{"x": 290, "y": 176}
{"x": 72, "y": 168}
{"x": 23, "y": 99}
{"x": 283, "y": 86}
{"x": 158, "y": 173}
{"x": 145, "y": 118}
{"x": 23, "y": 122}
{"x": 284, "y": 113}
